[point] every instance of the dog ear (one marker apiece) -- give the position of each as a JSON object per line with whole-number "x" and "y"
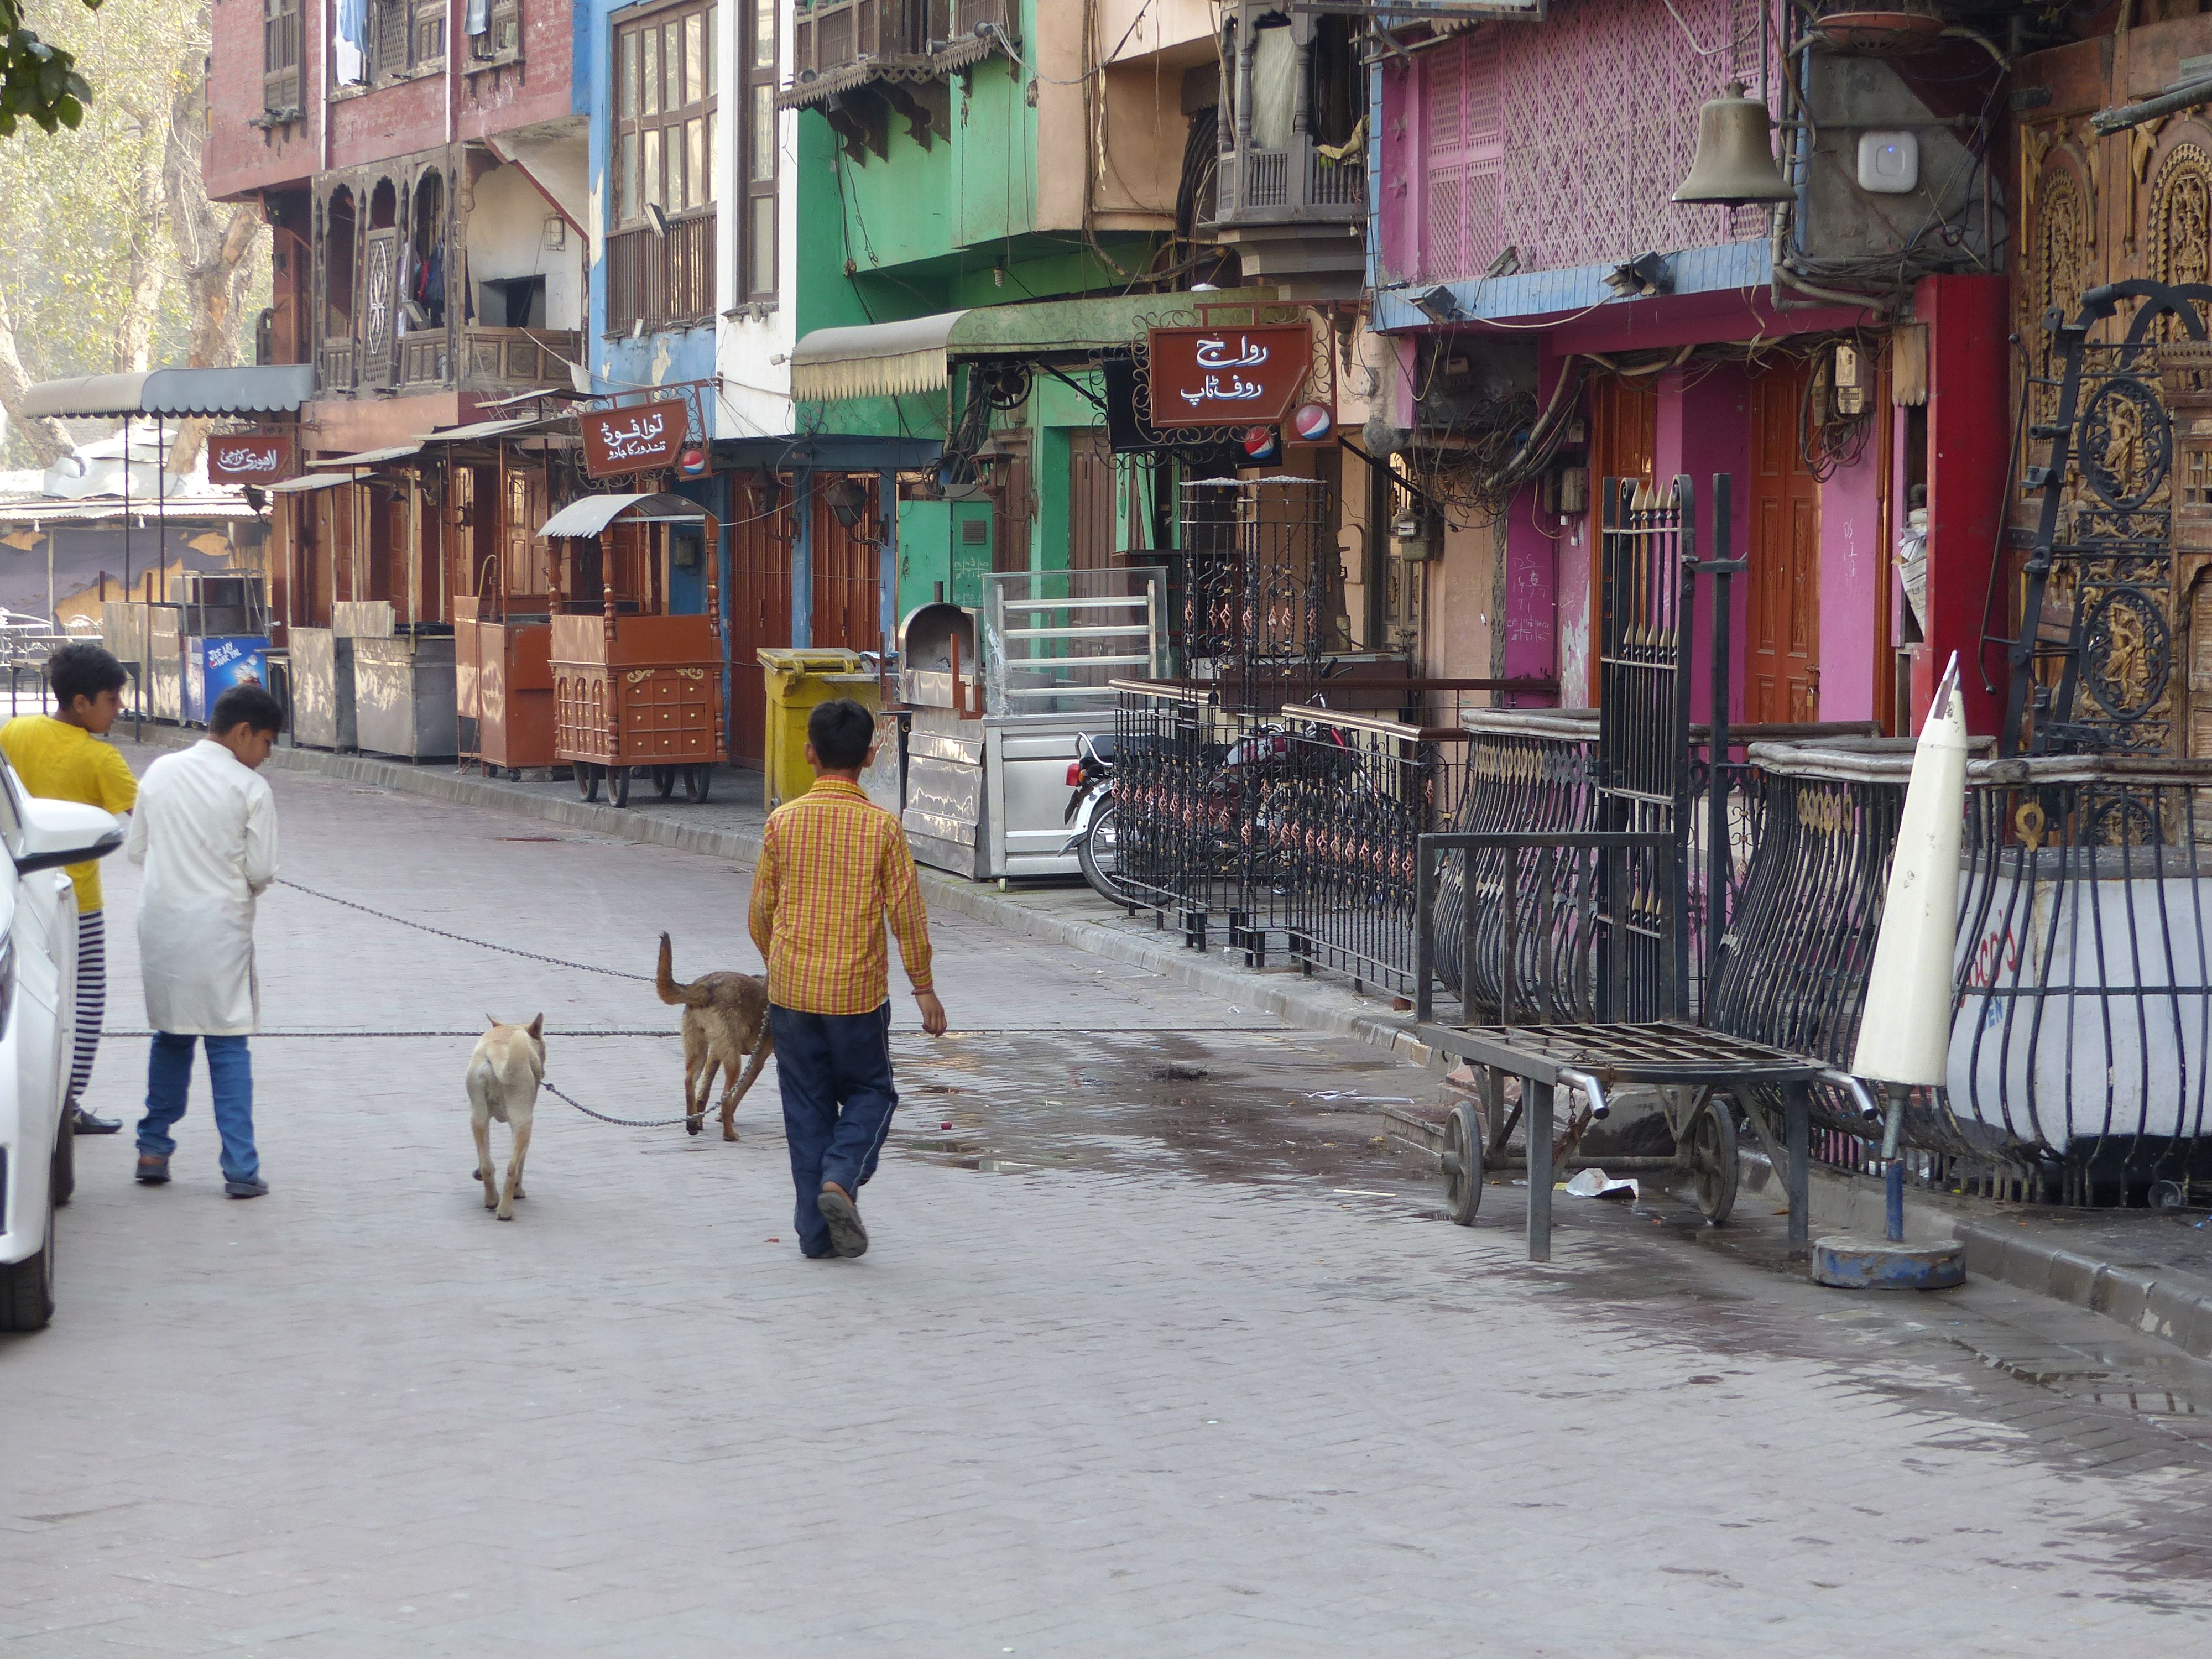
{"x": 492, "y": 1020}
{"x": 538, "y": 1027}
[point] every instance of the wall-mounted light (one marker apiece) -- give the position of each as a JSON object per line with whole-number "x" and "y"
{"x": 657, "y": 218}
{"x": 1439, "y": 304}
{"x": 1642, "y": 276}
{"x": 847, "y": 499}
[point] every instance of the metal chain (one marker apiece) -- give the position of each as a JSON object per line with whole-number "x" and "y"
{"x": 624, "y": 1122}
{"x": 463, "y": 938}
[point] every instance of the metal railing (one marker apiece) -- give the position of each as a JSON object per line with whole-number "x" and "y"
{"x": 1544, "y": 943}
{"x": 2080, "y": 1061}
{"x": 1358, "y": 793}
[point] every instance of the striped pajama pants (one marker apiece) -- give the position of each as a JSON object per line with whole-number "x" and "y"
{"x": 91, "y": 997}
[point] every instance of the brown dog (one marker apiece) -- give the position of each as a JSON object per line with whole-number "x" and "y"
{"x": 725, "y": 1020}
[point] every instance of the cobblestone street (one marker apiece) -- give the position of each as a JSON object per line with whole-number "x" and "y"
{"x": 1159, "y": 1349}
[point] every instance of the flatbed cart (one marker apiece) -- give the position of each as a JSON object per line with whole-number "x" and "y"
{"x": 1694, "y": 1072}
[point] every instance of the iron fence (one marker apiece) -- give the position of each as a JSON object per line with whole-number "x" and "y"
{"x": 2082, "y": 1027}
{"x": 1358, "y": 794}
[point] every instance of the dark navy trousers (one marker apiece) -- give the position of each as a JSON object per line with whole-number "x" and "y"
{"x": 835, "y": 1071}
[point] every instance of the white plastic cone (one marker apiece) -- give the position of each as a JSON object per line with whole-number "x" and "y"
{"x": 1905, "y": 1031}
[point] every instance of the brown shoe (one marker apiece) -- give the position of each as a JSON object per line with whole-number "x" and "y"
{"x": 153, "y": 1171}
{"x": 846, "y": 1236}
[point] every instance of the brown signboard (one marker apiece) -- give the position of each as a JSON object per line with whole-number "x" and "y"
{"x": 635, "y": 438}
{"x": 251, "y": 458}
{"x": 1228, "y": 376}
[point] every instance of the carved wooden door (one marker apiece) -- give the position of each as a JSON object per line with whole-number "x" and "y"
{"x": 1090, "y": 500}
{"x": 760, "y": 605}
{"x": 380, "y": 303}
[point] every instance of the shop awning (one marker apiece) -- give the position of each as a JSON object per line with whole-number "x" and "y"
{"x": 307, "y": 481}
{"x": 595, "y": 512}
{"x": 247, "y": 389}
{"x": 371, "y": 456}
{"x": 881, "y": 360}
{"x": 481, "y": 431}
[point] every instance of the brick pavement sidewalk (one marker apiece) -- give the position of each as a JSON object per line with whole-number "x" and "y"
{"x": 1069, "y": 1411}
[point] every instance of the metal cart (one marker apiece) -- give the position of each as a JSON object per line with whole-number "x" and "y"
{"x": 989, "y": 743}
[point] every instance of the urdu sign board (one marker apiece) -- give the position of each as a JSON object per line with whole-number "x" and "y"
{"x": 637, "y": 438}
{"x": 1228, "y": 376}
{"x": 253, "y": 458}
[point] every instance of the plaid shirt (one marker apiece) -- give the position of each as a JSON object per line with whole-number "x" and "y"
{"x": 833, "y": 866}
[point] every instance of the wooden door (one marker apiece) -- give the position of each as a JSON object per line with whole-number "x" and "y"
{"x": 1014, "y": 504}
{"x": 760, "y": 607}
{"x": 1090, "y": 499}
{"x": 1782, "y": 656}
{"x": 1624, "y": 444}
{"x": 847, "y": 576}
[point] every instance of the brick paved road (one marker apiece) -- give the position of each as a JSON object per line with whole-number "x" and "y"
{"x": 1186, "y": 1366}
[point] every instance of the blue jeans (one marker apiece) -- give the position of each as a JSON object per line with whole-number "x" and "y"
{"x": 169, "y": 1078}
{"x": 835, "y": 1071}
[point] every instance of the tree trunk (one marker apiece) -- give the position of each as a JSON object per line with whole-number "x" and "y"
{"x": 46, "y": 437}
{"x": 215, "y": 247}
{"x": 142, "y": 263}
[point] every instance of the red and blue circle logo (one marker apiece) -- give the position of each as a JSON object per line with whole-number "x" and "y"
{"x": 1260, "y": 443}
{"x": 1312, "y": 422}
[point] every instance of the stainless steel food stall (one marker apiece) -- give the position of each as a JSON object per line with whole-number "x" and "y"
{"x": 989, "y": 741}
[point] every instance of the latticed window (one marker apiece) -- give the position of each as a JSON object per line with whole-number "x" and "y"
{"x": 280, "y": 55}
{"x": 1459, "y": 201}
{"x": 665, "y": 113}
{"x": 495, "y": 29}
{"x": 409, "y": 35}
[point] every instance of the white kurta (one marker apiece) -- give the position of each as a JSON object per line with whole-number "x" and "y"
{"x": 205, "y": 830}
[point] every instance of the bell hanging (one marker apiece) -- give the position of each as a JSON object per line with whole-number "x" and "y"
{"x": 1734, "y": 163}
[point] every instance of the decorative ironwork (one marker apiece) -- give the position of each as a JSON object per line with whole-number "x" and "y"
{"x": 2102, "y": 562}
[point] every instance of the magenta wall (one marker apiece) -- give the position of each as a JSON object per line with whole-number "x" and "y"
{"x": 1704, "y": 427}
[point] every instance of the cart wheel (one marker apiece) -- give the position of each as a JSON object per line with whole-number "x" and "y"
{"x": 618, "y": 786}
{"x": 664, "y": 782}
{"x": 1462, "y": 1164}
{"x": 1713, "y": 1162}
{"x": 698, "y": 780}
{"x": 588, "y": 781}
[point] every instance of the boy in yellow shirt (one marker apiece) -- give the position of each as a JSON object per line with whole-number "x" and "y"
{"x": 61, "y": 756}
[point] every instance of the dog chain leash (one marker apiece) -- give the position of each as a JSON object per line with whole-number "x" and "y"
{"x": 527, "y": 955}
{"x": 463, "y": 938}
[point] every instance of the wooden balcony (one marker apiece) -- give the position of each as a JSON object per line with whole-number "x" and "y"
{"x": 473, "y": 358}
{"x": 841, "y": 46}
{"x": 1298, "y": 185}
{"x": 663, "y": 281}
{"x": 335, "y": 362}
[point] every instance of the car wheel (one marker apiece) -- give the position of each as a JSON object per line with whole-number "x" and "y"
{"x": 26, "y": 1287}
{"x": 63, "y": 1179}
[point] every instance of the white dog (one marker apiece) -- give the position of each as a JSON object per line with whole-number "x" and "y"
{"x": 504, "y": 1073}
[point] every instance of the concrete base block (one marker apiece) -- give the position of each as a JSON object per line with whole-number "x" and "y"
{"x": 1851, "y": 1262}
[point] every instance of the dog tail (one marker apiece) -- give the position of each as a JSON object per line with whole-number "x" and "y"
{"x": 663, "y": 982}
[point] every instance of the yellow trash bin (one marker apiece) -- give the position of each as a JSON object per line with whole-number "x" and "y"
{"x": 797, "y": 679}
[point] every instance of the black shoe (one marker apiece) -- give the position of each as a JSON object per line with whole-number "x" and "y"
{"x": 153, "y": 1170}
{"x": 252, "y": 1186}
{"x": 85, "y": 1123}
{"x": 846, "y": 1236}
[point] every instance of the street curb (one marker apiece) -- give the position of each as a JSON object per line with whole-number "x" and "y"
{"x": 1314, "y": 1010}
{"x": 2166, "y": 1303}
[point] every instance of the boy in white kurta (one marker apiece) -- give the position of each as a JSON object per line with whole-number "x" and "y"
{"x": 205, "y": 829}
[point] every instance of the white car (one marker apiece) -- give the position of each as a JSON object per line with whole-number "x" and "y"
{"x": 38, "y": 1022}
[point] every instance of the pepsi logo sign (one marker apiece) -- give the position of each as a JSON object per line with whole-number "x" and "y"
{"x": 1312, "y": 422}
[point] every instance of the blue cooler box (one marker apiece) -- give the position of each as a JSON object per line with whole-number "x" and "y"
{"x": 213, "y": 665}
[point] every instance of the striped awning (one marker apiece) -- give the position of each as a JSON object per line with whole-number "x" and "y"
{"x": 883, "y": 359}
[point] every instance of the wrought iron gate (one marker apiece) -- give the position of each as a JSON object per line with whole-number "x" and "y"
{"x": 2093, "y": 668}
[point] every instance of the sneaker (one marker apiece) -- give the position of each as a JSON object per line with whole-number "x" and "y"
{"x": 153, "y": 1171}
{"x": 86, "y": 1124}
{"x": 846, "y": 1236}
{"x": 252, "y": 1186}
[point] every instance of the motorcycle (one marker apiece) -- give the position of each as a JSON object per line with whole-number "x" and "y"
{"x": 1094, "y": 840}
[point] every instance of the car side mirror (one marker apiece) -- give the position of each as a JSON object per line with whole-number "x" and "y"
{"x": 59, "y": 832}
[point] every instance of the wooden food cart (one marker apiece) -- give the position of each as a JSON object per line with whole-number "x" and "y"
{"x": 499, "y": 476}
{"x": 634, "y": 689}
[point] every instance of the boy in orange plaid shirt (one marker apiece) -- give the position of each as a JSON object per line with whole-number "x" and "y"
{"x": 833, "y": 868}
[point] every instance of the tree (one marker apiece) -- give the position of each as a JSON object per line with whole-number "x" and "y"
{"x": 38, "y": 81}
{"x": 111, "y": 255}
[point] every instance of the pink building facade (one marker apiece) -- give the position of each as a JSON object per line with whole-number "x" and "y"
{"x": 1524, "y": 235}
